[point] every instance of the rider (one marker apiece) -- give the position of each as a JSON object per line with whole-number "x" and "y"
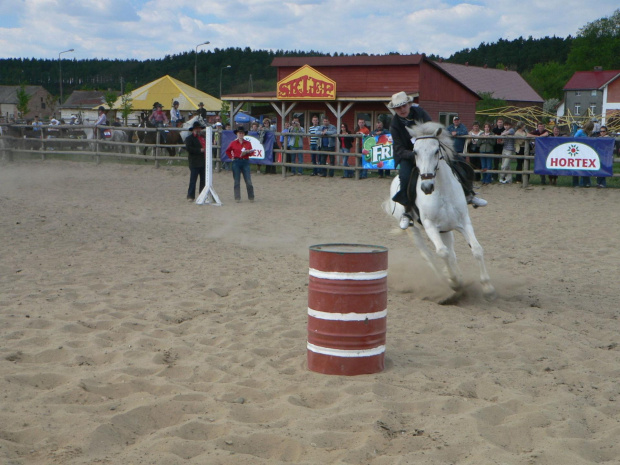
{"x": 409, "y": 114}
{"x": 159, "y": 119}
{"x": 102, "y": 120}
{"x": 175, "y": 115}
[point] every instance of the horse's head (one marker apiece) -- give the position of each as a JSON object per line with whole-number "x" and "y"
{"x": 430, "y": 145}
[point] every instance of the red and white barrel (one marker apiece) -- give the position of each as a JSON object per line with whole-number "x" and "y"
{"x": 347, "y": 309}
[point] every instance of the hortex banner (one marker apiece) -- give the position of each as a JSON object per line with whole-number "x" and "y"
{"x": 263, "y": 154}
{"x": 378, "y": 152}
{"x": 574, "y": 156}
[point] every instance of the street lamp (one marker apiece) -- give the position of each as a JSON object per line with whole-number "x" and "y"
{"x": 60, "y": 71}
{"x": 196, "y": 64}
{"x": 225, "y": 67}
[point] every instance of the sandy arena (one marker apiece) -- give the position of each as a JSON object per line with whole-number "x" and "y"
{"x": 139, "y": 328}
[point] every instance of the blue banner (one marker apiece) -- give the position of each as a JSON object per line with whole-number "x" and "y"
{"x": 574, "y": 156}
{"x": 378, "y": 152}
{"x": 264, "y": 151}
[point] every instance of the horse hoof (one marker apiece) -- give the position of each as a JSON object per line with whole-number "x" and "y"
{"x": 451, "y": 300}
{"x": 489, "y": 294}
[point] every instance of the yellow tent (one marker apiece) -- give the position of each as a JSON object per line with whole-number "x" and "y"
{"x": 166, "y": 90}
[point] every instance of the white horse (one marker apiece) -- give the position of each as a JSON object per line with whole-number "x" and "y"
{"x": 187, "y": 126}
{"x": 442, "y": 205}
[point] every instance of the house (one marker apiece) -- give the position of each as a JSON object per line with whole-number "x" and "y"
{"x": 84, "y": 102}
{"x": 41, "y": 103}
{"x": 349, "y": 88}
{"x": 593, "y": 93}
{"x": 499, "y": 83}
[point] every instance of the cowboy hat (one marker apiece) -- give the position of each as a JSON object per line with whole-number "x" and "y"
{"x": 240, "y": 129}
{"x": 196, "y": 125}
{"x": 399, "y": 99}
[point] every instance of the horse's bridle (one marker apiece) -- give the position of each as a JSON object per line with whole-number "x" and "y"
{"x": 427, "y": 176}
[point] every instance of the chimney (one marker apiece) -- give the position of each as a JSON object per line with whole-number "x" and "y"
{"x": 598, "y": 68}
{"x": 467, "y": 63}
{"x": 485, "y": 66}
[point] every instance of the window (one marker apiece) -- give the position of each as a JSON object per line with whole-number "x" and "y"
{"x": 577, "y": 109}
{"x": 593, "y": 110}
{"x": 42, "y": 106}
{"x": 593, "y": 93}
{"x": 445, "y": 118}
{"x": 577, "y": 93}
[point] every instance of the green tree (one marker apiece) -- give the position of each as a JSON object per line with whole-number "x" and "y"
{"x": 549, "y": 79}
{"x": 597, "y": 44}
{"x": 488, "y": 102}
{"x": 22, "y": 100}
{"x": 224, "y": 113}
{"x": 126, "y": 103}
{"x": 110, "y": 99}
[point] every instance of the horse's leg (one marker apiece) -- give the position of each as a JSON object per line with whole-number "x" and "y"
{"x": 420, "y": 243}
{"x": 452, "y": 271}
{"x": 488, "y": 291}
{"x": 446, "y": 253}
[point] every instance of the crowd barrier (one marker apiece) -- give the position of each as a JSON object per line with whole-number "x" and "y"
{"x": 18, "y": 139}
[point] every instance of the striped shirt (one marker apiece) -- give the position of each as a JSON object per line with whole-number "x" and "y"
{"x": 314, "y": 130}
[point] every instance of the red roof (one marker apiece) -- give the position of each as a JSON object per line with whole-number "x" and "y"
{"x": 583, "y": 80}
{"x": 362, "y": 60}
{"x": 505, "y": 85}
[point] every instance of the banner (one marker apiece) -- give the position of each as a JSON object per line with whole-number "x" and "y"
{"x": 264, "y": 151}
{"x": 574, "y": 156}
{"x": 378, "y": 152}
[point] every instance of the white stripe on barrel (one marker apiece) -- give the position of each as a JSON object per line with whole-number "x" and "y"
{"x": 347, "y": 316}
{"x": 359, "y": 276}
{"x": 346, "y": 353}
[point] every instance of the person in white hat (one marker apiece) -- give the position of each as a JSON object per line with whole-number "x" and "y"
{"x": 407, "y": 115}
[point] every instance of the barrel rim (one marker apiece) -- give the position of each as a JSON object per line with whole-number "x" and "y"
{"x": 317, "y": 248}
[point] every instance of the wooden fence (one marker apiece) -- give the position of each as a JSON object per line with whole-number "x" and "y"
{"x": 71, "y": 140}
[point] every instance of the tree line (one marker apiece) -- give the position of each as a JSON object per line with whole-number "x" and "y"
{"x": 546, "y": 64}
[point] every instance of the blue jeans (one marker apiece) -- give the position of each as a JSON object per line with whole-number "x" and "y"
{"x": 239, "y": 167}
{"x": 315, "y": 159}
{"x": 345, "y": 162}
{"x": 323, "y": 160}
{"x": 487, "y": 164}
{"x": 297, "y": 158}
{"x": 601, "y": 181}
{"x": 193, "y": 176}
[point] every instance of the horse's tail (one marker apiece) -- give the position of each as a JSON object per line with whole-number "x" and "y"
{"x": 389, "y": 206}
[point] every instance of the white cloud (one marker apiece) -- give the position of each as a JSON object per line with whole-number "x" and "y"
{"x": 155, "y": 28}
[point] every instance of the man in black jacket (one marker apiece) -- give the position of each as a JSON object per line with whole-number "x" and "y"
{"x": 195, "y": 144}
{"x": 408, "y": 115}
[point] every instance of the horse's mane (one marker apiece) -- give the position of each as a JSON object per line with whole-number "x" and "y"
{"x": 430, "y": 128}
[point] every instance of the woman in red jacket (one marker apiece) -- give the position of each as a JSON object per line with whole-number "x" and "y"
{"x": 239, "y": 151}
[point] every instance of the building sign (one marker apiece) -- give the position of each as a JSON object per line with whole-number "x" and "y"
{"x": 306, "y": 84}
{"x": 378, "y": 152}
{"x": 574, "y": 156}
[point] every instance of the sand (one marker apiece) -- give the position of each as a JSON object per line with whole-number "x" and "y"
{"x": 139, "y": 328}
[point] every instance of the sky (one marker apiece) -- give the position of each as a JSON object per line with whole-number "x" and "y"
{"x": 142, "y": 29}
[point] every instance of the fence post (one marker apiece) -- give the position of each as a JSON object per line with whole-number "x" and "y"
{"x": 156, "y": 150}
{"x": 526, "y": 164}
{"x": 96, "y": 134}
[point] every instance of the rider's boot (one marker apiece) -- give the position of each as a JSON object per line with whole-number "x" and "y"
{"x": 405, "y": 221}
{"x": 476, "y": 201}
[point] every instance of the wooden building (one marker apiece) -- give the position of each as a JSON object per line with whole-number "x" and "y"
{"x": 362, "y": 88}
{"x": 41, "y": 103}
